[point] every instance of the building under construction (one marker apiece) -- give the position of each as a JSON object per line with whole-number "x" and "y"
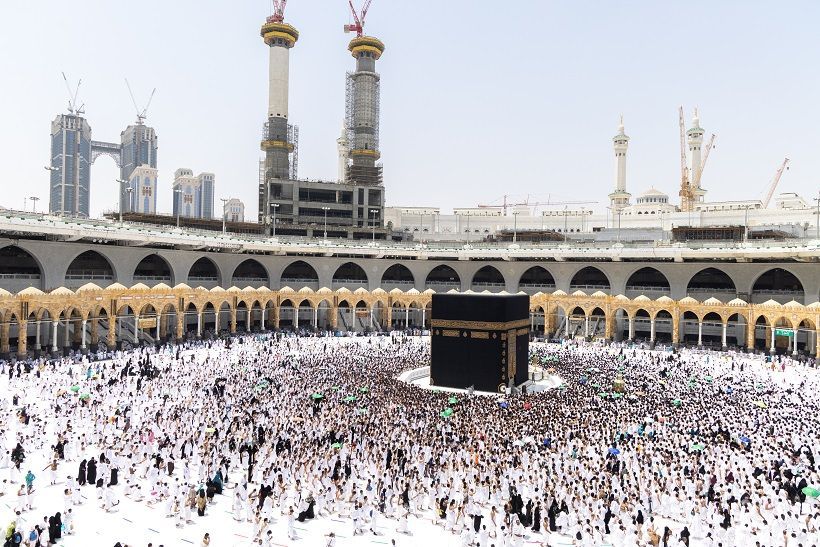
{"x": 356, "y": 200}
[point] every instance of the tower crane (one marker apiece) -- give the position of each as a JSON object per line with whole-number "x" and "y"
{"x": 775, "y": 182}
{"x": 686, "y": 194}
{"x": 72, "y": 98}
{"x": 278, "y": 11}
{"x": 706, "y": 151}
{"x": 142, "y": 115}
{"x": 358, "y": 17}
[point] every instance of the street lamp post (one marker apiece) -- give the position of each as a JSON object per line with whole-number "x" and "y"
{"x": 515, "y": 226}
{"x": 123, "y": 184}
{"x": 325, "y": 209}
{"x": 275, "y": 207}
{"x": 179, "y": 204}
{"x": 224, "y": 214}
{"x": 34, "y": 200}
{"x": 373, "y": 212}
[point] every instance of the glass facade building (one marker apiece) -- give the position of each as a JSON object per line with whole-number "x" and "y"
{"x": 70, "y": 181}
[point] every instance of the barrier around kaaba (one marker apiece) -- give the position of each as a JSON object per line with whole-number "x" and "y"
{"x": 479, "y": 340}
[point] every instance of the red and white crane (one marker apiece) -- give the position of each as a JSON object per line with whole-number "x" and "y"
{"x": 775, "y": 182}
{"x": 278, "y": 11}
{"x": 358, "y": 17}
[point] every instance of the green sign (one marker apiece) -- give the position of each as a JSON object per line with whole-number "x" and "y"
{"x": 783, "y": 332}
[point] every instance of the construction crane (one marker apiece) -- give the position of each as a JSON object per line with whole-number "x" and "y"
{"x": 358, "y": 17}
{"x": 687, "y": 196}
{"x": 72, "y": 98}
{"x": 142, "y": 115}
{"x": 278, "y": 11}
{"x": 706, "y": 151}
{"x": 527, "y": 203}
{"x": 775, "y": 182}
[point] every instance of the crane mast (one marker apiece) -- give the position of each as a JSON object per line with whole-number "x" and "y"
{"x": 359, "y": 17}
{"x": 775, "y": 182}
{"x": 706, "y": 151}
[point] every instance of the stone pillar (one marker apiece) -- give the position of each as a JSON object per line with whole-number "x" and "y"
{"x": 794, "y": 349}
{"x": 158, "y": 337}
{"x": 700, "y": 332}
{"x": 217, "y": 313}
{"x": 676, "y": 335}
{"x": 136, "y": 329}
{"x": 817, "y": 343}
{"x": 264, "y": 325}
{"x": 725, "y": 345}
{"x": 77, "y": 336}
{"x": 113, "y": 325}
{"x": 652, "y": 330}
{"x": 248, "y": 313}
{"x": 180, "y": 326}
{"x": 22, "y": 339}
{"x": 233, "y": 320}
{"x": 334, "y": 317}
{"x": 162, "y": 326}
{"x": 66, "y": 338}
{"x": 750, "y": 335}
{"x": 316, "y": 317}
{"x": 199, "y": 324}
{"x": 37, "y": 345}
{"x": 295, "y": 316}
{"x": 407, "y": 317}
{"x": 389, "y": 320}
{"x": 54, "y": 325}
{"x": 609, "y": 326}
{"x": 631, "y": 328}
{"x": 82, "y": 343}
{"x": 586, "y": 326}
{"x": 95, "y": 336}
{"x": 772, "y": 348}
{"x": 423, "y": 317}
{"x": 4, "y": 338}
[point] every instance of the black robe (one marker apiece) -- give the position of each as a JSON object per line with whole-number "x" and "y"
{"x": 91, "y": 471}
{"x": 81, "y": 475}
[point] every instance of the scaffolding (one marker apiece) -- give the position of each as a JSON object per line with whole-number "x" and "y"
{"x": 293, "y": 157}
{"x": 362, "y": 114}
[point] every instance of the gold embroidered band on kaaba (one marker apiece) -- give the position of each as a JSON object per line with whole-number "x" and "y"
{"x": 479, "y": 325}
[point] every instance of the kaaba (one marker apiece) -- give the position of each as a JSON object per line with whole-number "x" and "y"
{"x": 479, "y": 340}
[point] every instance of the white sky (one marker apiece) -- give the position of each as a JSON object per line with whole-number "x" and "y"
{"x": 479, "y": 99}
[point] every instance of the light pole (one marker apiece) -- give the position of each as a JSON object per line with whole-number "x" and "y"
{"x": 275, "y": 207}
{"x": 123, "y": 185}
{"x": 515, "y": 226}
{"x": 565, "y": 223}
{"x": 468, "y": 227}
{"x": 373, "y": 212}
{"x": 817, "y": 199}
{"x": 746, "y": 224}
{"x": 179, "y": 204}
{"x": 325, "y": 209}
{"x": 224, "y": 213}
{"x": 34, "y": 200}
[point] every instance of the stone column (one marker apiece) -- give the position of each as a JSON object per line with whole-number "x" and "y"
{"x": 334, "y": 317}
{"x": 180, "y": 326}
{"x": 4, "y": 338}
{"x": 817, "y": 343}
{"x": 159, "y": 332}
{"x": 113, "y": 325}
{"x": 794, "y": 349}
{"x": 22, "y": 339}
{"x": 725, "y": 345}
{"x": 136, "y": 329}
{"x": 82, "y": 343}
{"x": 233, "y": 320}
{"x": 54, "y": 325}
{"x": 407, "y": 317}
{"x": 264, "y": 325}
{"x": 316, "y": 317}
{"x": 631, "y": 328}
{"x": 66, "y": 338}
{"x": 389, "y": 319}
{"x": 77, "y": 336}
{"x": 676, "y": 336}
{"x": 248, "y": 313}
{"x": 217, "y": 313}
{"x": 295, "y": 317}
{"x": 772, "y": 348}
{"x": 199, "y": 324}
{"x": 95, "y": 337}
{"x": 609, "y": 326}
{"x": 700, "y": 332}
{"x": 423, "y": 317}
{"x": 276, "y": 312}
{"x": 750, "y": 335}
{"x": 652, "y": 330}
{"x": 37, "y": 345}
{"x": 162, "y": 326}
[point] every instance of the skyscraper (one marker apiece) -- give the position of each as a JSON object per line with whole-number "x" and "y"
{"x": 70, "y": 184}
{"x": 193, "y": 195}
{"x": 139, "y": 148}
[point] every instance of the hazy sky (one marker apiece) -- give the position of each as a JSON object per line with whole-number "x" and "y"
{"x": 479, "y": 98}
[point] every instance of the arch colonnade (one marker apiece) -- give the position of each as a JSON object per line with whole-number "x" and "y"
{"x": 36, "y": 321}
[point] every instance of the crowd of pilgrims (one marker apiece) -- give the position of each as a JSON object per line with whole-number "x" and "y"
{"x": 704, "y": 448}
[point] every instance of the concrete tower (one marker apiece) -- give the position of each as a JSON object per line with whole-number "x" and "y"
{"x": 280, "y": 38}
{"x": 619, "y": 199}
{"x": 363, "y": 112}
{"x": 343, "y": 149}
{"x": 71, "y": 159}
{"x": 695, "y": 140}
{"x": 138, "y": 149}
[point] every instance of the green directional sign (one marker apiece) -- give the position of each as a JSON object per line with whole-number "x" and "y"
{"x": 783, "y": 332}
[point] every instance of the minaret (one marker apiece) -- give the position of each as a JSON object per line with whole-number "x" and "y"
{"x": 363, "y": 111}
{"x": 343, "y": 148}
{"x": 280, "y": 38}
{"x": 619, "y": 199}
{"x": 695, "y": 139}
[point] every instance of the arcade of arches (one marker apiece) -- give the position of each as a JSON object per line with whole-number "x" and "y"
{"x": 35, "y": 321}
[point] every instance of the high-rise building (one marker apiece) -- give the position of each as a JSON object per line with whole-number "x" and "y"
{"x": 193, "y": 195}
{"x": 143, "y": 193}
{"x": 138, "y": 148}
{"x": 70, "y": 184}
{"x": 234, "y": 210}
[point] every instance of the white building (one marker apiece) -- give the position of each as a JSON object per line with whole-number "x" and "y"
{"x": 143, "y": 194}
{"x": 234, "y": 210}
{"x": 193, "y": 195}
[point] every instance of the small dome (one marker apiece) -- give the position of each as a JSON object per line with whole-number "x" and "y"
{"x": 182, "y": 286}
{"x": 234, "y": 289}
{"x": 688, "y": 301}
{"x": 140, "y": 287}
{"x": 737, "y": 302}
{"x": 161, "y": 287}
{"x": 62, "y": 291}
{"x": 642, "y": 298}
{"x": 664, "y": 300}
{"x": 579, "y": 293}
{"x": 89, "y": 287}
{"x": 305, "y": 290}
{"x": 286, "y": 289}
{"x": 652, "y": 192}
{"x": 217, "y": 289}
{"x": 30, "y": 291}
{"x": 343, "y": 290}
{"x": 712, "y": 302}
{"x": 559, "y": 292}
{"x": 324, "y": 290}
{"x": 396, "y": 292}
{"x": 379, "y": 291}
{"x": 116, "y": 287}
